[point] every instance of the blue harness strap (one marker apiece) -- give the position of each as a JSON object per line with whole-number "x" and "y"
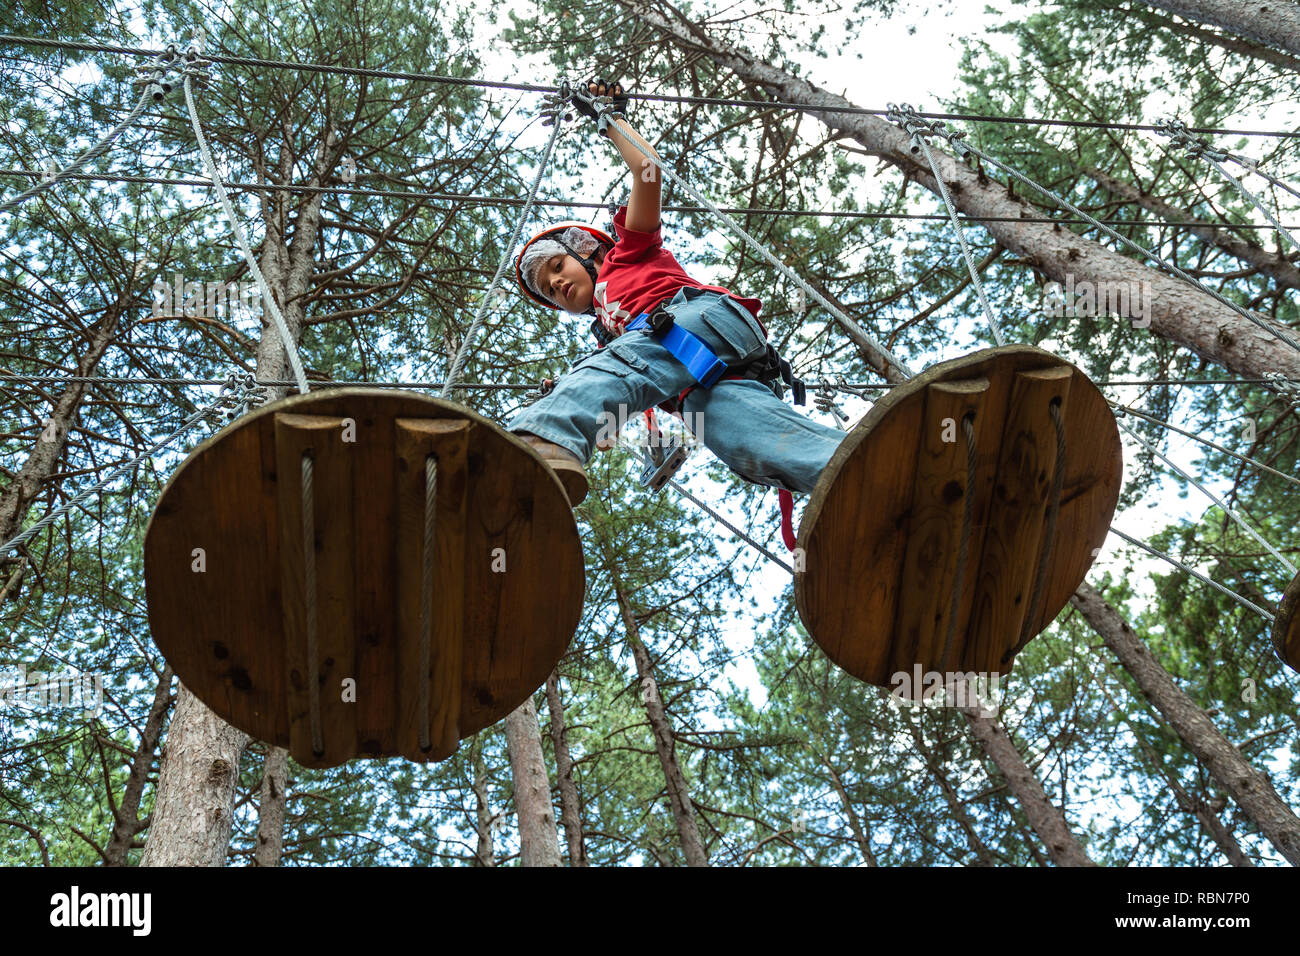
{"x": 688, "y": 348}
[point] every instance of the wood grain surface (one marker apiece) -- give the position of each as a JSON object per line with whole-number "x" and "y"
{"x": 227, "y": 594}
{"x": 880, "y": 531}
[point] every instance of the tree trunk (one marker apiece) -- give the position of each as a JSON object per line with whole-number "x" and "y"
{"x": 679, "y": 796}
{"x": 1045, "y": 817}
{"x": 16, "y": 498}
{"x": 482, "y": 811}
{"x": 1280, "y": 270}
{"x": 570, "y": 807}
{"x": 1178, "y": 311}
{"x": 1221, "y": 835}
{"x": 539, "y": 841}
{"x": 1231, "y": 44}
{"x": 1206, "y": 815}
{"x": 270, "y": 809}
{"x": 1270, "y": 22}
{"x": 126, "y": 816}
{"x": 195, "y": 800}
{"x": 1251, "y": 789}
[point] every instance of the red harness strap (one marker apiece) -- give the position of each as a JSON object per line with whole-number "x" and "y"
{"x": 785, "y": 500}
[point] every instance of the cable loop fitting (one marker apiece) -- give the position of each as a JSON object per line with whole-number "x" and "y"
{"x": 240, "y": 394}
{"x": 1196, "y": 146}
{"x": 553, "y": 104}
{"x": 1287, "y": 388}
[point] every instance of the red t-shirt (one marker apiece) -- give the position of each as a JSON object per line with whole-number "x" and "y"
{"x": 639, "y": 273}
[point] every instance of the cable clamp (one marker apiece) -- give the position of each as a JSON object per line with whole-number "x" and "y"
{"x": 1196, "y": 146}
{"x": 905, "y": 116}
{"x": 158, "y": 75}
{"x": 824, "y": 401}
{"x": 553, "y": 104}
{"x": 1287, "y": 388}
{"x": 239, "y": 394}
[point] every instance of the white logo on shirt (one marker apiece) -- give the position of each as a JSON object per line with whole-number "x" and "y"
{"x": 609, "y": 312}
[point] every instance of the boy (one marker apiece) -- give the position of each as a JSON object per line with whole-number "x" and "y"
{"x": 581, "y": 269}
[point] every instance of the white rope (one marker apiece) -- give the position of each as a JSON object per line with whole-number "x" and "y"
{"x": 1241, "y": 187}
{"x": 426, "y": 595}
{"x": 462, "y": 353}
{"x": 961, "y": 239}
{"x": 95, "y": 151}
{"x": 309, "y": 589}
{"x": 731, "y": 527}
{"x": 1196, "y": 574}
{"x": 286, "y": 340}
{"x": 1124, "y": 409}
{"x": 1251, "y": 317}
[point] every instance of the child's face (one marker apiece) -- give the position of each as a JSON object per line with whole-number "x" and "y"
{"x": 565, "y": 282}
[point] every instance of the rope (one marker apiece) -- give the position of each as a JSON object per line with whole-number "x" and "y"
{"x": 776, "y": 263}
{"x": 1254, "y": 167}
{"x": 286, "y": 340}
{"x": 1200, "y": 148}
{"x": 963, "y": 545}
{"x": 93, "y": 153}
{"x": 462, "y": 352}
{"x": 653, "y": 97}
{"x": 474, "y": 199}
{"x": 1196, "y": 574}
{"x": 309, "y": 576}
{"x": 1124, "y": 409}
{"x": 920, "y": 140}
{"x": 965, "y": 148}
{"x": 426, "y": 595}
{"x": 1241, "y": 187}
{"x": 54, "y": 515}
{"x": 1049, "y": 535}
{"x": 1212, "y": 496}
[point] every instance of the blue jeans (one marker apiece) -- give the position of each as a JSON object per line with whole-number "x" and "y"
{"x": 757, "y": 435}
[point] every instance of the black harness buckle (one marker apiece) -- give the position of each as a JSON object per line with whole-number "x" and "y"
{"x": 660, "y": 321}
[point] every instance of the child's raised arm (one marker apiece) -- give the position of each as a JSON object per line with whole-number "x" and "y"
{"x": 643, "y": 204}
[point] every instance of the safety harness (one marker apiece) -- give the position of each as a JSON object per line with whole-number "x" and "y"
{"x": 707, "y": 369}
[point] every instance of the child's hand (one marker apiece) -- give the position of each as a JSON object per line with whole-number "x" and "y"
{"x": 598, "y": 87}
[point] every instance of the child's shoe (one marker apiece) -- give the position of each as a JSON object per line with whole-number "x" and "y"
{"x": 564, "y": 463}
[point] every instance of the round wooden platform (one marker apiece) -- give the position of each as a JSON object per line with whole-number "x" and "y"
{"x": 881, "y": 532}
{"x": 1286, "y": 626}
{"x": 226, "y": 573}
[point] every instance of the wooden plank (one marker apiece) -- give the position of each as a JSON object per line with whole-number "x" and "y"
{"x": 853, "y": 563}
{"x": 321, "y": 437}
{"x": 833, "y": 596}
{"x": 1013, "y": 539}
{"x": 374, "y": 513}
{"x": 939, "y": 499}
{"x": 1093, "y": 478}
{"x": 447, "y": 441}
{"x": 1286, "y": 625}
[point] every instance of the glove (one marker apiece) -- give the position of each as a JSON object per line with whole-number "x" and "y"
{"x": 584, "y": 101}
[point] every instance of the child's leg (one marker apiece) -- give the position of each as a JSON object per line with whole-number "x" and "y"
{"x": 611, "y": 386}
{"x": 603, "y": 391}
{"x": 760, "y": 437}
